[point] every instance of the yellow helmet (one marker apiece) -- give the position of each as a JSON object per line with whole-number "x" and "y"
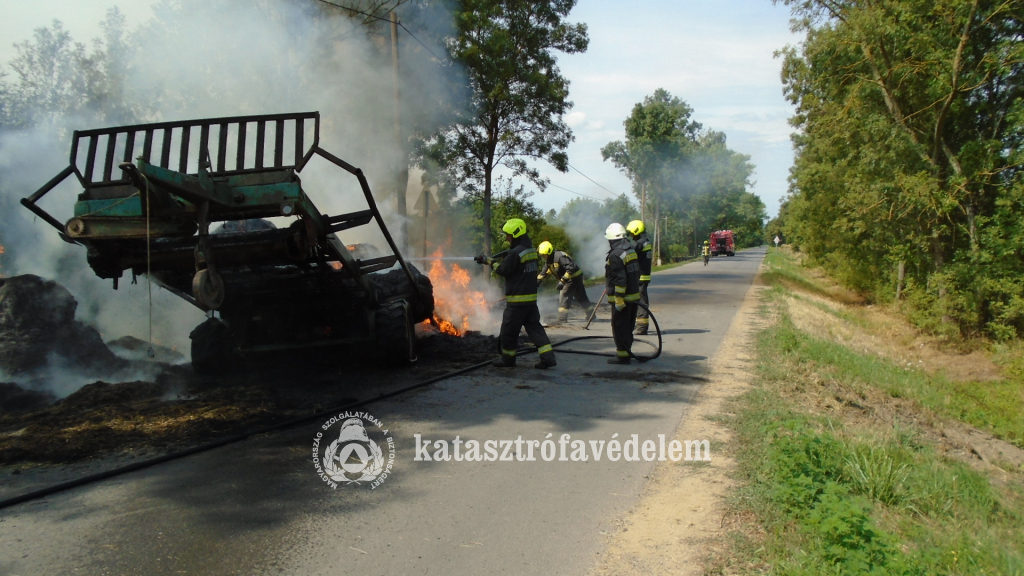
{"x": 706, "y": 242}
{"x": 545, "y": 248}
{"x": 636, "y": 227}
{"x": 515, "y": 226}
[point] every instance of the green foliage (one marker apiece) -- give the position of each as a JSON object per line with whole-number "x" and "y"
{"x": 877, "y": 473}
{"x": 510, "y": 201}
{"x": 518, "y": 96}
{"x": 677, "y": 252}
{"x": 587, "y": 213}
{"x": 852, "y": 497}
{"x": 557, "y": 236}
{"x": 911, "y": 123}
{"x": 687, "y": 174}
{"x": 56, "y": 77}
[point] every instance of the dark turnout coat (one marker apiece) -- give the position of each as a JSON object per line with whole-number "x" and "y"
{"x": 519, "y": 268}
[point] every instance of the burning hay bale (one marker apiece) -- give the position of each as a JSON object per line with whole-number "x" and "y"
{"x": 38, "y": 326}
{"x": 459, "y": 305}
{"x": 104, "y": 395}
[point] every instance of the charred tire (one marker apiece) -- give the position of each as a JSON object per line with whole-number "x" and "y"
{"x": 212, "y": 348}
{"x": 395, "y": 285}
{"x": 395, "y": 334}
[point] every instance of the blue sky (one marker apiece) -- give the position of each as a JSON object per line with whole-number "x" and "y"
{"x": 717, "y": 56}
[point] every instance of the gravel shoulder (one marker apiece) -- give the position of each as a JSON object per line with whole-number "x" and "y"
{"x": 681, "y": 514}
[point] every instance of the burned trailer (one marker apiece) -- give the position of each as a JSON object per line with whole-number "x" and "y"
{"x": 264, "y": 287}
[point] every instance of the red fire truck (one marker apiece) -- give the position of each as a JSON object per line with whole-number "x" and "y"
{"x": 722, "y": 243}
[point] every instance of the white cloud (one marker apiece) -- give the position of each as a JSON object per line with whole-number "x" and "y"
{"x": 575, "y": 118}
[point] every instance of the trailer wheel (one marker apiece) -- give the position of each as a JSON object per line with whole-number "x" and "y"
{"x": 211, "y": 347}
{"x": 396, "y": 284}
{"x": 395, "y": 334}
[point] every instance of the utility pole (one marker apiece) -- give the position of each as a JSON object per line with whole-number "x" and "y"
{"x": 665, "y": 218}
{"x": 695, "y": 237}
{"x": 426, "y": 213}
{"x": 402, "y": 182}
{"x": 643, "y": 200}
{"x": 657, "y": 238}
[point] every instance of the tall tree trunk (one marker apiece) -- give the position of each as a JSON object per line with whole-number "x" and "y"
{"x": 901, "y": 275}
{"x": 940, "y": 264}
{"x": 487, "y": 208}
{"x": 972, "y": 230}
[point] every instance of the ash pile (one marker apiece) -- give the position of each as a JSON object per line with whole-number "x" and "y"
{"x": 45, "y": 353}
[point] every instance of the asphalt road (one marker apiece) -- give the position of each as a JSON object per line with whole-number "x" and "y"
{"x": 259, "y": 507}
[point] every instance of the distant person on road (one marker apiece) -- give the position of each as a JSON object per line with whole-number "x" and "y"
{"x": 519, "y": 268}
{"x": 645, "y": 256}
{"x": 706, "y": 252}
{"x": 622, "y": 274}
{"x": 570, "y": 286}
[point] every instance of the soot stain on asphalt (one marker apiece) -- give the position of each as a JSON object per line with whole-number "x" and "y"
{"x": 181, "y": 409}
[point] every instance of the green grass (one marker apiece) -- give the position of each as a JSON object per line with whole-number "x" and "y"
{"x": 834, "y": 498}
{"x": 784, "y": 270}
{"x": 995, "y": 406}
{"x": 840, "y": 501}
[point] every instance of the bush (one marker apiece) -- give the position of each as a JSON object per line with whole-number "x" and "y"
{"x": 676, "y": 252}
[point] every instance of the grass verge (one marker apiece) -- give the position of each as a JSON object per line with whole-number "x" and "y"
{"x": 837, "y": 495}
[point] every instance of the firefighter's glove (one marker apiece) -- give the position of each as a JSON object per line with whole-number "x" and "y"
{"x": 540, "y": 278}
{"x": 560, "y": 286}
{"x": 494, "y": 264}
{"x": 620, "y": 303}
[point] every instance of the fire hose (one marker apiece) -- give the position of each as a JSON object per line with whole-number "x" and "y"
{"x": 93, "y": 478}
{"x": 657, "y": 348}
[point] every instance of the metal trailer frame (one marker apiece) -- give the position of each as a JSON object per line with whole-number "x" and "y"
{"x": 255, "y": 180}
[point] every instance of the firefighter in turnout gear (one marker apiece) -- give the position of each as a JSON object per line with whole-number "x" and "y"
{"x": 519, "y": 267}
{"x": 622, "y": 272}
{"x": 707, "y": 252}
{"x": 570, "y": 279}
{"x": 645, "y": 256}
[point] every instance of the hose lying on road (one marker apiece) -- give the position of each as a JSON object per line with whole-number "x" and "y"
{"x": 91, "y": 478}
{"x": 657, "y": 349}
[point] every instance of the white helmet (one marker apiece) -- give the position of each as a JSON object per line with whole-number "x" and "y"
{"x": 615, "y": 231}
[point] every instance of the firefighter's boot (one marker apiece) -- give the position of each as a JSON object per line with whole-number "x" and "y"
{"x": 641, "y": 327}
{"x": 563, "y": 315}
{"x": 505, "y": 361}
{"x": 621, "y": 357}
{"x": 546, "y": 361}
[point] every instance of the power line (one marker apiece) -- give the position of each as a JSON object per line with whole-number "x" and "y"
{"x": 574, "y": 192}
{"x": 592, "y": 180}
{"x": 368, "y": 15}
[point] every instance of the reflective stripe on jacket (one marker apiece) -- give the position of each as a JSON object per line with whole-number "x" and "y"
{"x": 562, "y": 266}
{"x": 519, "y": 268}
{"x": 622, "y": 272}
{"x": 645, "y": 255}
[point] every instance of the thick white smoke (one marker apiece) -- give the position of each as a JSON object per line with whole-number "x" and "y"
{"x": 209, "y": 58}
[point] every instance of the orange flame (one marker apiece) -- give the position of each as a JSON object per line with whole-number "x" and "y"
{"x": 454, "y": 302}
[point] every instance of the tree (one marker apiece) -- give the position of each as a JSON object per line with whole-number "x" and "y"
{"x": 517, "y": 95}
{"x": 658, "y": 133}
{"x": 910, "y": 152}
